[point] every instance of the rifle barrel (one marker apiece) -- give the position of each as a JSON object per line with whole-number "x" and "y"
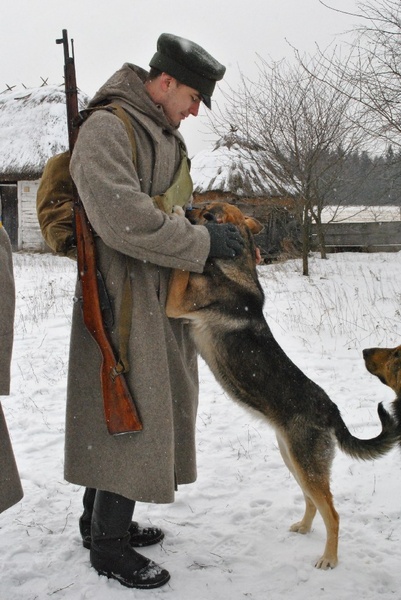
{"x": 120, "y": 410}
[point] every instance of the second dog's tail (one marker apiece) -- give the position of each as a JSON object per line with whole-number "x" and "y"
{"x": 373, "y": 447}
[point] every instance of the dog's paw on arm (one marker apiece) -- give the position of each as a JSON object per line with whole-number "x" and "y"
{"x": 178, "y": 210}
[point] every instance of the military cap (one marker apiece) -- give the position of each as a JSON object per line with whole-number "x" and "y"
{"x": 188, "y": 63}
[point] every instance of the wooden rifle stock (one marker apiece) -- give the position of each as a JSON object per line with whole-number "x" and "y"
{"x": 119, "y": 408}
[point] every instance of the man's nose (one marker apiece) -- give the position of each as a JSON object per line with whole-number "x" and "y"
{"x": 194, "y": 108}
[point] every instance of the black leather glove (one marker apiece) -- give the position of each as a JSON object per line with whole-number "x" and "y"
{"x": 225, "y": 240}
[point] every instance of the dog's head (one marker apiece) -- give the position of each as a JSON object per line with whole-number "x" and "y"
{"x": 222, "y": 212}
{"x": 385, "y": 363}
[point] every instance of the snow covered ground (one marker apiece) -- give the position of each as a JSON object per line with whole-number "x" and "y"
{"x": 227, "y": 535}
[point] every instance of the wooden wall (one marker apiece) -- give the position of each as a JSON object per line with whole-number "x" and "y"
{"x": 30, "y": 237}
{"x": 384, "y": 236}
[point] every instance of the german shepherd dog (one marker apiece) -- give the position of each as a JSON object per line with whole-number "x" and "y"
{"x": 385, "y": 363}
{"x": 225, "y": 307}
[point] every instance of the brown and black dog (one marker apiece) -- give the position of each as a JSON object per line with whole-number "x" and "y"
{"x": 385, "y": 363}
{"x": 225, "y": 307}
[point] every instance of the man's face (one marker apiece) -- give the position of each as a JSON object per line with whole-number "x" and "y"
{"x": 180, "y": 101}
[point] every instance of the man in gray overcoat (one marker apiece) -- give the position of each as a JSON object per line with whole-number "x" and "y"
{"x": 139, "y": 240}
{"x": 10, "y": 484}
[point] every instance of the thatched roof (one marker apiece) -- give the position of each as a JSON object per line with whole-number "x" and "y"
{"x": 226, "y": 168}
{"x": 33, "y": 127}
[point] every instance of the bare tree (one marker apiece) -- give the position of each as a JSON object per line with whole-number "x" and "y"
{"x": 297, "y": 130}
{"x": 371, "y": 66}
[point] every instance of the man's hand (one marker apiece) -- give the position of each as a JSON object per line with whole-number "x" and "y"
{"x": 225, "y": 240}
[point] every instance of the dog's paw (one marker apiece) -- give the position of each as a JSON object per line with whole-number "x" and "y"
{"x": 300, "y": 527}
{"x": 326, "y": 562}
{"x": 178, "y": 210}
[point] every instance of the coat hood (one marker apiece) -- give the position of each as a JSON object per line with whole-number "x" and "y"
{"x": 127, "y": 87}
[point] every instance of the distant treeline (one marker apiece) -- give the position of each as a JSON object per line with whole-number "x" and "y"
{"x": 367, "y": 180}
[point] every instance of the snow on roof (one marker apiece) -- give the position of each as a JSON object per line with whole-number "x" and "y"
{"x": 33, "y": 127}
{"x": 226, "y": 169}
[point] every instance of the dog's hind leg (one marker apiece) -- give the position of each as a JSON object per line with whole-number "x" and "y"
{"x": 323, "y": 500}
{"x": 315, "y": 485}
{"x": 305, "y": 525}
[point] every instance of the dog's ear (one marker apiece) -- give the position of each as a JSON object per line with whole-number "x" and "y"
{"x": 254, "y": 225}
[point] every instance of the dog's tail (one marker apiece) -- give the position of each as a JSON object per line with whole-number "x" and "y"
{"x": 374, "y": 447}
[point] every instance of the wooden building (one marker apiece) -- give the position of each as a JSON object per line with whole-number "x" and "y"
{"x": 224, "y": 173}
{"x": 33, "y": 127}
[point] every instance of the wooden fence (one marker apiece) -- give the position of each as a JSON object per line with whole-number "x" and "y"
{"x": 381, "y": 236}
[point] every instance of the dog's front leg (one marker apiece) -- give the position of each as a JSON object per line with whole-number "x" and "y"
{"x": 188, "y": 293}
{"x": 176, "y": 292}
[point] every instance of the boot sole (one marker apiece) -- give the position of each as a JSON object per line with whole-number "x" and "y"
{"x": 131, "y": 584}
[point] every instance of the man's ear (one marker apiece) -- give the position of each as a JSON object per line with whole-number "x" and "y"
{"x": 166, "y": 81}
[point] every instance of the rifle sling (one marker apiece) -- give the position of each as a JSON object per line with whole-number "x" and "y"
{"x": 124, "y": 324}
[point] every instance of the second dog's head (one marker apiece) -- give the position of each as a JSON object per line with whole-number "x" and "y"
{"x": 385, "y": 363}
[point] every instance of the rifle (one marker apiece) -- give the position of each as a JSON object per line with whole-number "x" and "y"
{"x": 120, "y": 411}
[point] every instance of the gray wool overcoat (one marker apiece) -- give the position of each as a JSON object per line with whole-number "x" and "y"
{"x": 10, "y": 484}
{"x": 134, "y": 236}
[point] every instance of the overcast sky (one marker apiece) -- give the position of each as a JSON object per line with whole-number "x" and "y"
{"x": 108, "y": 33}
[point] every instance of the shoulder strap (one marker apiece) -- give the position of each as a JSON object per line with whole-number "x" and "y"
{"x": 121, "y": 113}
{"x": 124, "y": 325}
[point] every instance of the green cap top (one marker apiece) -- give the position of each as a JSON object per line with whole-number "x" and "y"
{"x": 188, "y": 63}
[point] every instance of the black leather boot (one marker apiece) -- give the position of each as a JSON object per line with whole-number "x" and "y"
{"x": 111, "y": 553}
{"x": 85, "y": 519}
{"x": 139, "y": 536}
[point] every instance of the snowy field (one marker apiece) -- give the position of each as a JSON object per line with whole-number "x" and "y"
{"x": 227, "y": 535}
